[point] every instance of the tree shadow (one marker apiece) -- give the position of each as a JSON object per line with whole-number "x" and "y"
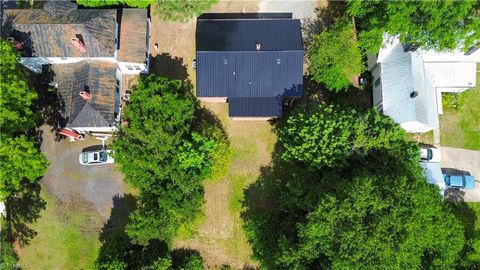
{"x": 24, "y": 208}
{"x": 49, "y": 104}
{"x": 168, "y": 66}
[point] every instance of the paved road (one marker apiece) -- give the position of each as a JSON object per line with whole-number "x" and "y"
{"x": 455, "y": 160}
{"x": 70, "y": 182}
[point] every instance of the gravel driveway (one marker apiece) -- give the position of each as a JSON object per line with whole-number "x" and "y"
{"x": 462, "y": 161}
{"x": 70, "y": 182}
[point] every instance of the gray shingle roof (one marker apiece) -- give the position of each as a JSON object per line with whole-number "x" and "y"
{"x": 47, "y": 35}
{"x": 97, "y": 77}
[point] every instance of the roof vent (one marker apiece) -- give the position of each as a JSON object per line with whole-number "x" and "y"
{"x": 85, "y": 95}
{"x": 258, "y": 46}
{"x": 225, "y": 61}
{"x": 414, "y": 94}
{"x": 278, "y": 61}
{"x": 79, "y": 44}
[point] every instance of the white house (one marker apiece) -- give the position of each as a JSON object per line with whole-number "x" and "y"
{"x": 407, "y": 85}
{"x": 85, "y": 54}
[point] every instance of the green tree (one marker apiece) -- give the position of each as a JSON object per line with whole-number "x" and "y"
{"x": 166, "y": 155}
{"x": 108, "y": 3}
{"x": 335, "y": 56}
{"x": 373, "y": 210}
{"x": 16, "y": 96}
{"x": 20, "y": 160}
{"x": 439, "y": 25}
{"x": 182, "y": 10}
{"x": 326, "y": 135}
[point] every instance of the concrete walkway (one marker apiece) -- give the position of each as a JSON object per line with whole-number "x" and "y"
{"x": 462, "y": 161}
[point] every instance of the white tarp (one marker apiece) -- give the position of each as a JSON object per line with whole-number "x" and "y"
{"x": 434, "y": 174}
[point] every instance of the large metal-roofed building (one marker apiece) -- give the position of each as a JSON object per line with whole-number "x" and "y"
{"x": 252, "y": 61}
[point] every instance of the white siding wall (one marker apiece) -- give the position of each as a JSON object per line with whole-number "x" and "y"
{"x": 132, "y": 68}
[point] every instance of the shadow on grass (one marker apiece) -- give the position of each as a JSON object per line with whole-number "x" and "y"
{"x": 24, "y": 208}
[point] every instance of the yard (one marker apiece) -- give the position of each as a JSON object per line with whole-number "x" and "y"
{"x": 460, "y": 122}
{"x": 220, "y": 238}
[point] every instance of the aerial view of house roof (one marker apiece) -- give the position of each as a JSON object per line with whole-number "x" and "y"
{"x": 133, "y": 35}
{"x": 87, "y": 91}
{"x": 254, "y": 62}
{"x": 48, "y": 32}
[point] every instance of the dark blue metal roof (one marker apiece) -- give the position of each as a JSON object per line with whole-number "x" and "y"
{"x": 243, "y": 35}
{"x": 255, "y": 81}
{"x": 249, "y": 74}
{"x": 255, "y": 107}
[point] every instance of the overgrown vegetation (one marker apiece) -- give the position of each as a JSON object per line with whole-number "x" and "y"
{"x": 442, "y": 25}
{"x": 334, "y": 56}
{"x": 363, "y": 203}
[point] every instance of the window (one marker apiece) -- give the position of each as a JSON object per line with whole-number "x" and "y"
{"x": 95, "y": 156}
{"x": 129, "y": 67}
{"x": 138, "y": 67}
{"x": 103, "y": 156}
{"x": 377, "y": 82}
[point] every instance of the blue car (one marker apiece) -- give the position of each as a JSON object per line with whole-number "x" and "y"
{"x": 459, "y": 181}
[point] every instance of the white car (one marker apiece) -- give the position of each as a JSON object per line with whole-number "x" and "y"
{"x": 96, "y": 157}
{"x": 430, "y": 154}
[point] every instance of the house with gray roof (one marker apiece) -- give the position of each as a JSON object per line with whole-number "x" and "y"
{"x": 85, "y": 53}
{"x": 408, "y": 84}
{"x": 252, "y": 61}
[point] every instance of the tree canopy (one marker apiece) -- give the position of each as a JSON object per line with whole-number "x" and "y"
{"x": 178, "y": 10}
{"x": 363, "y": 203}
{"x": 439, "y": 25}
{"x": 16, "y": 96}
{"x": 166, "y": 152}
{"x": 335, "y": 56}
{"x": 20, "y": 159}
{"x": 107, "y": 3}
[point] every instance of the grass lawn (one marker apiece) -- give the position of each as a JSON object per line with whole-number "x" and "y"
{"x": 220, "y": 237}
{"x": 460, "y": 127}
{"x": 67, "y": 237}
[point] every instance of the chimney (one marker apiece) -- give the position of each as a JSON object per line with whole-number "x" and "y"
{"x": 79, "y": 44}
{"x": 85, "y": 95}
{"x": 18, "y": 45}
{"x": 258, "y": 46}
{"x": 414, "y": 94}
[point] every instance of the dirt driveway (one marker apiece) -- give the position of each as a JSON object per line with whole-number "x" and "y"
{"x": 70, "y": 182}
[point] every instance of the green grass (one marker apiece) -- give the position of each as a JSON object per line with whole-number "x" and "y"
{"x": 67, "y": 238}
{"x": 460, "y": 122}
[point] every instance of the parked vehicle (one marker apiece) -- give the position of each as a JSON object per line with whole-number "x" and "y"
{"x": 96, "y": 157}
{"x": 459, "y": 181}
{"x": 430, "y": 155}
